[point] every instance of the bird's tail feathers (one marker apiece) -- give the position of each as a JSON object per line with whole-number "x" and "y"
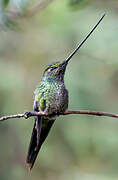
{"x": 34, "y": 145}
{"x": 40, "y": 132}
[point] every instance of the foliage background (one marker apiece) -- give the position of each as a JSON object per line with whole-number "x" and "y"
{"x": 78, "y": 147}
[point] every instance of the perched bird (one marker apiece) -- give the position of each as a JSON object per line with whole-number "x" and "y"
{"x": 51, "y": 98}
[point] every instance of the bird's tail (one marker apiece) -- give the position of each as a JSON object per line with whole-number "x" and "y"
{"x": 40, "y": 131}
{"x": 34, "y": 145}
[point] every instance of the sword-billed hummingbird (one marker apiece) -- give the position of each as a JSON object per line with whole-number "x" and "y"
{"x": 51, "y": 98}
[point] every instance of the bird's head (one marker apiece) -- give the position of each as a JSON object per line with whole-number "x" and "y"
{"x": 55, "y": 70}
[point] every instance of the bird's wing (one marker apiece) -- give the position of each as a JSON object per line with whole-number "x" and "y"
{"x": 40, "y": 131}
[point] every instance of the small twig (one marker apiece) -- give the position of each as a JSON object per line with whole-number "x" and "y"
{"x": 93, "y": 113}
{"x": 11, "y": 117}
{"x": 31, "y": 12}
{"x": 28, "y": 114}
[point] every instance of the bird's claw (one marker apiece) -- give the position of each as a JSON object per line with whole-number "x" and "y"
{"x": 27, "y": 114}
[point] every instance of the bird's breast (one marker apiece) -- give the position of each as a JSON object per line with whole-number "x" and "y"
{"x": 51, "y": 98}
{"x": 59, "y": 101}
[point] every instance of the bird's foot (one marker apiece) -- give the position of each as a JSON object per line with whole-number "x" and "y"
{"x": 27, "y": 114}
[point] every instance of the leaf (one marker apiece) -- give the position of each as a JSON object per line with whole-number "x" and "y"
{"x": 5, "y": 3}
{"x": 75, "y": 4}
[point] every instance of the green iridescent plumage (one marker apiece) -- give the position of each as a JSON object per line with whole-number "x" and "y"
{"x": 51, "y": 97}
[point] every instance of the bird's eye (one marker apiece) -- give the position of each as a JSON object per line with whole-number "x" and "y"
{"x": 51, "y": 69}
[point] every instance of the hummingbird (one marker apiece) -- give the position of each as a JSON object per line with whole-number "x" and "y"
{"x": 50, "y": 98}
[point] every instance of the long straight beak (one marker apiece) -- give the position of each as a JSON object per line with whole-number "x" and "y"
{"x": 78, "y": 47}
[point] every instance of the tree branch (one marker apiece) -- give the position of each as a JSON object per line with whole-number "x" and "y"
{"x": 28, "y": 114}
{"x": 31, "y": 12}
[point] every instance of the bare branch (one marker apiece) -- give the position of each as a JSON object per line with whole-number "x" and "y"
{"x": 11, "y": 117}
{"x": 31, "y": 12}
{"x": 28, "y": 114}
{"x": 93, "y": 113}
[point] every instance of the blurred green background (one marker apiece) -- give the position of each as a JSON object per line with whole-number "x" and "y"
{"x": 78, "y": 146}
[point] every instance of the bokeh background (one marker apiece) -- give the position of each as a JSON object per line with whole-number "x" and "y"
{"x": 78, "y": 146}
